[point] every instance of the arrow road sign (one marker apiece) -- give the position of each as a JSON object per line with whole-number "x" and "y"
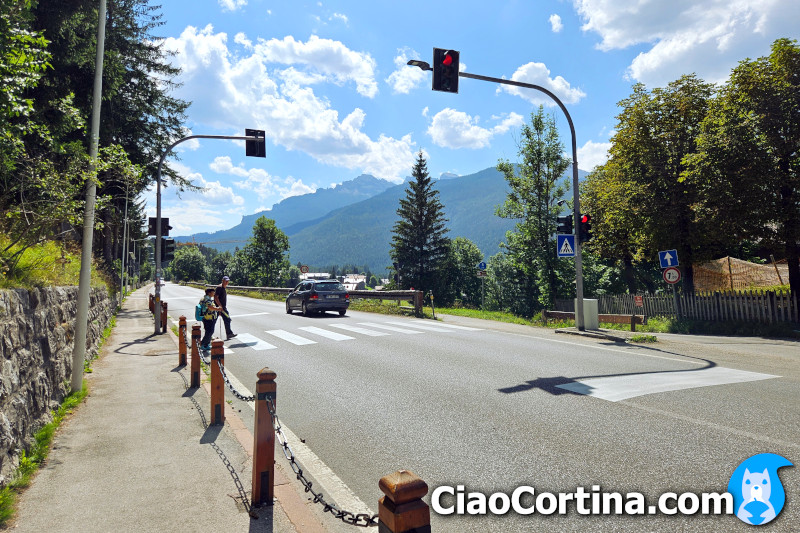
{"x": 565, "y": 245}
{"x": 482, "y": 265}
{"x": 668, "y": 258}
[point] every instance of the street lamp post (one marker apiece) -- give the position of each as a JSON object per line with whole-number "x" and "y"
{"x": 579, "y": 319}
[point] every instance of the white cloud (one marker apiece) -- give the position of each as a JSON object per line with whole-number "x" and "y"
{"x": 264, "y": 185}
{"x": 405, "y": 77}
{"x": 232, "y": 5}
{"x": 274, "y": 85}
{"x": 455, "y": 129}
{"x": 223, "y": 165}
{"x": 340, "y": 16}
{"x": 592, "y": 154}
{"x": 539, "y": 74}
{"x": 555, "y": 23}
{"x": 708, "y": 37}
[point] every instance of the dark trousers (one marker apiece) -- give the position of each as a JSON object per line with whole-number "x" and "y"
{"x": 208, "y": 327}
{"x": 226, "y": 320}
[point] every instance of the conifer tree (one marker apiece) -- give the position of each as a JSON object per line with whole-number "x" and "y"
{"x": 419, "y": 245}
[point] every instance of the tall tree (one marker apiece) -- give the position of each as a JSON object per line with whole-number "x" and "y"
{"x": 747, "y": 165}
{"x": 266, "y": 254}
{"x": 419, "y": 243}
{"x": 536, "y": 185}
{"x": 644, "y": 203}
{"x": 188, "y": 264}
{"x": 463, "y": 282}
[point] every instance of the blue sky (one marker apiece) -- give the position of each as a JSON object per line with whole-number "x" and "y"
{"x": 328, "y": 82}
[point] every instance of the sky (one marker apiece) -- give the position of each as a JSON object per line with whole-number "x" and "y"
{"x": 328, "y": 83}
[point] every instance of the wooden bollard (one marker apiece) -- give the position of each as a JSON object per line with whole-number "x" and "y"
{"x": 182, "y": 341}
{"x": 263, "y": 490}
{"x": 195, "y": 368}
{"x": 217, "y": 383}
{"x": 402, "y": 509}
{"x": 163, "y": 317}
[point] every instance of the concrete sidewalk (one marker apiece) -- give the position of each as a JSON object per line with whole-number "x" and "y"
{"x": 139, "y": 455}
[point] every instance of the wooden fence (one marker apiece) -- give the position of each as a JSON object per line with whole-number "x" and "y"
{"x": 752, "y": 306}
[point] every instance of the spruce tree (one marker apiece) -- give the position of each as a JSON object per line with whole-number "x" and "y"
{"x": 419, "y": 245}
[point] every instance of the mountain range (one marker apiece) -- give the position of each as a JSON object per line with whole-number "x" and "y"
{"x": 352, "y": 223}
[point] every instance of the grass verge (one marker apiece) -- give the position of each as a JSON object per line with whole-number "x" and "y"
{"x": 33, "y": 458}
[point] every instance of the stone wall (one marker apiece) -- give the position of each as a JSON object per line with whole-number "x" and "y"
{"x": 36, "y": 345}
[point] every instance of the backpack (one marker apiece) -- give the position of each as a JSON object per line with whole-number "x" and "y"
{"x": 199, "y": 311}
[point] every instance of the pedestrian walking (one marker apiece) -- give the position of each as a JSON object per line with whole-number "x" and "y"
{"x": 210, "y": 312}
{"x": 221, "y": 300}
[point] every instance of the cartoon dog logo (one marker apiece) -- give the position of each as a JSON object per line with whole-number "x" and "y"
{"x": 757, "y": 491}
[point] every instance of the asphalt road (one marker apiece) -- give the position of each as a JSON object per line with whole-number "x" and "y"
{"x": 494, "y": 406}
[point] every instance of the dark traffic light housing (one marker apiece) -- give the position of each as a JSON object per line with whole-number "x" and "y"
{"x": 151, "y": 226}
{"x": 445, "y": 70}
{"x": 167, "y": 249}
{"x": 255, "y": 148}
{"x": 564, "y": 225}
{"x": 585, "y": 233}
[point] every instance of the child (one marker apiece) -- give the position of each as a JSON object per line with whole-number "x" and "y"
{"x": 210, "y": 311}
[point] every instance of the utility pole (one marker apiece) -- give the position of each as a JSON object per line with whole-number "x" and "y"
{"x": 84, "y": 286}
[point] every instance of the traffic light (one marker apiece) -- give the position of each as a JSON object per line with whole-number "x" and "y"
{"x": 585, "y": 233}
{"x": 167, "y": 249}
{"x": 151, "y": 226}
{"x": 564, "y": 225}
{"x": 445, "y": 70}
{"x": 255, "y": 148}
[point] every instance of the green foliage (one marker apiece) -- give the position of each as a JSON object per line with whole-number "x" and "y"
{"x": 643, "y": 339}
{"x": 536, "y": 185}
{"x": 189, "y": 264}
{"x": 265, "y": 255}
{"x": 419, "y": 245}
{"x": 460, "y": 272}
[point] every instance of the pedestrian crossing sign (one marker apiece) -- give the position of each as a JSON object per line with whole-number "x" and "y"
{"x": 565, "y": 245}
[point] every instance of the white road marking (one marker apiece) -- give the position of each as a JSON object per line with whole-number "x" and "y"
{"x": 454, "y": 326}
{"x": 331, "y": 484}
{"x": 356, "y": 329}
{"x": 250, "y": 314}
{"x": 390, "y": 328}
{"x": 327, "y": 334}
{"x": 250, "y": 341}
{"x": 616, "y": 388}
{"x": 427, "y": 327}
{"x": 290, "y": 337}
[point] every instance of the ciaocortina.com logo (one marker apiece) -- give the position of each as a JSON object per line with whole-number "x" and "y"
{"x": 757, "y": 491}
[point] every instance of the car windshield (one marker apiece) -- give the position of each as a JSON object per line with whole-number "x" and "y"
{"x": 329, "y": 286}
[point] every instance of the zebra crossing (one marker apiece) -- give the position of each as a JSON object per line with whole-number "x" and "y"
{"x": 307, "y": 335}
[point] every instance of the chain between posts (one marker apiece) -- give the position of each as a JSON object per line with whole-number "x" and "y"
{"x": 360, "y": 519}
{"x": 230, "y": 386}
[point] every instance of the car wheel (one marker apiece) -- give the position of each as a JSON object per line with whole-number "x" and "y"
{"x": 288, "y": 309}
{"x": 342, "y": 312}
{"x": 305, "y": 309}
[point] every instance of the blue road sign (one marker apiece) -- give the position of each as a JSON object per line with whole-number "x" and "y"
{"x": 565, "y": 245}
{"x": 482, "y": 265}
{"x": 668, "y": 258}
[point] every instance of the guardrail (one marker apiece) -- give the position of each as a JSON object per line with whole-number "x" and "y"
{"x": 416, "y": 297}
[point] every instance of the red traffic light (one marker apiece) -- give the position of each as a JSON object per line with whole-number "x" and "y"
{"x": 448, "y": 60}
{"x": 585, "y": 219}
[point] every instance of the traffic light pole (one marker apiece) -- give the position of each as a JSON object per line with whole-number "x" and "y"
{"x": 579, "y": 321}
{"x": 157, "y": 251}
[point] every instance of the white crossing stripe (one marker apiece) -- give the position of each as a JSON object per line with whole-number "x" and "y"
{"x": 290, "y": 337}
{"x": 426, "y": 327}
{"x": 616, "y": 388}
{"x": 327, "y": 334}
{"x": 356, "y": 329}
{"x": 390, "y": 328}
{"x": 250, "y": 314}
{"x": 249, "y": 341}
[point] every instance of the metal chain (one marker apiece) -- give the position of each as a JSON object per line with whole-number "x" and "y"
{"x": 360, "y": 519}
{"x": 230, "y": 385}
